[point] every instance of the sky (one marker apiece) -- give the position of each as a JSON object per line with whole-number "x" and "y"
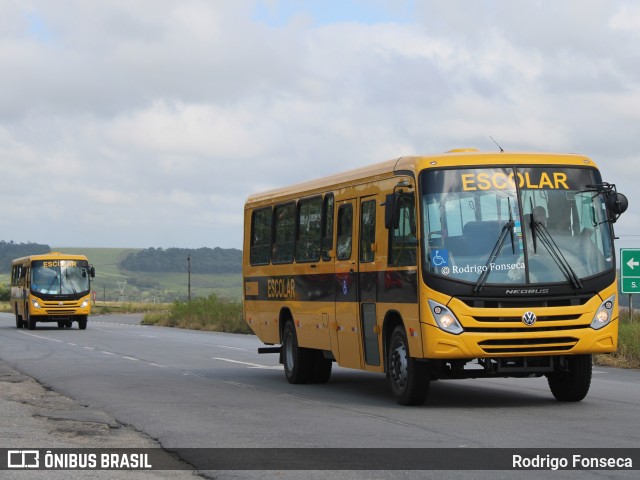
{"x": 148, "y": 123}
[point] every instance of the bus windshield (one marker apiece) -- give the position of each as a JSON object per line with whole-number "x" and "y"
{"x": 515, "y": 225}
{"x": 59, "y": 277}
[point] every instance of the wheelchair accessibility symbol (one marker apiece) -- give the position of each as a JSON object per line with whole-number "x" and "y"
{"x": 439, "y": 258}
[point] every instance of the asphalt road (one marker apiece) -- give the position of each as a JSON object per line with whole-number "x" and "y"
{"x": 191, "y": 389}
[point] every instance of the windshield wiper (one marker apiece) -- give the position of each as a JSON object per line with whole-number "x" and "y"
{"x": 508, "y": 227}
{"x": 556, "y": 254}
{"x": 69, "y": 283}
{"x": 52, "y": 282}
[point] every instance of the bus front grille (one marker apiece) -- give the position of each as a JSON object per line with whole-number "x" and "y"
{"x": 59, "y": 311}
{"x": 533, "y": 345}
{"x": 524, "y": 329}
{"x": 60, "y": 307}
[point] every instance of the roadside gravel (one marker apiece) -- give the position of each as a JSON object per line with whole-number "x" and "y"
{"x": 33, "y": 417}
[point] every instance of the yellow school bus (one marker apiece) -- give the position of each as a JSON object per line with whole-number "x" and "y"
{"x": 458, "y": 265}
{"x": 52, "y": 287}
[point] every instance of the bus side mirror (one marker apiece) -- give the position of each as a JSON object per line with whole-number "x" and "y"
{"x": 392, "y": 211}
{"x": 92, "y": 271}
{"x": 617, "y": 204}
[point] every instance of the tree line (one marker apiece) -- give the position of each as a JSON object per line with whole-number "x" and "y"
{"x": 10, "y": 251}
{"x": 203, "y": 260}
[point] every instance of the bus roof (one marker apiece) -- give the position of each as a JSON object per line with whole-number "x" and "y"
{"x": 49, "y": 256}
{"x": 402, "y": 165}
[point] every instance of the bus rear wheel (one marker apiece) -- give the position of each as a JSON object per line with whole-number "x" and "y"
{"x": 321, "y": 368}
{"x": 572, "y": 385}
{"x": 298, "y": 362}
{"x": 408, "y": 378}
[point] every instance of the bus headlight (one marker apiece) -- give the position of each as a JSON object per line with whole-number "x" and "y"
{"x": 445, "y": 319}
{"x": 604, "y": 314}
{"x": 84, "y": 304}
{"x": 35, "y": 303}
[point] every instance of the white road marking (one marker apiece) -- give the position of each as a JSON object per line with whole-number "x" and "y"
{"x": 301, "y": 399}
{"x": 232, "y": 348}
{"x": 238, "y": 384}
{"x": 39, "y": 336}
{"x": 249, "y": 364}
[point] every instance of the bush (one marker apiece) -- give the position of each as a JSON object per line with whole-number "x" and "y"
{"x": 5, "y": 293}
{"x": 210, "y": 313}
{"x": 628, "y": 353}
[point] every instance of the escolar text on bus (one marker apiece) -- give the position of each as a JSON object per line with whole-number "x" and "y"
{"x": 501, "y": 181}
{"x": 281, "y": 288}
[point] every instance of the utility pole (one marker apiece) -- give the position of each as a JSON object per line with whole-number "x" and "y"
{"x": 189, "y": 277}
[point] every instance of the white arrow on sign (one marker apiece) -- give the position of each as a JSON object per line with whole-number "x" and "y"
{"x": 632, "y": 264}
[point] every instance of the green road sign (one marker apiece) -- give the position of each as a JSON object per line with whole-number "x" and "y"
{"x": 630, "y": 270}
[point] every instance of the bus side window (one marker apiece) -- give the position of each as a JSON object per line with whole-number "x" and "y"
{"x": 309, "y": 231}
{"x": 345, "y": 231}
{"x": 327, "y": 227}
{"x": 260, "y": 237}
{"x": 367, "y": 230}
{"x": 403, "y": 242}
{"x": 284, "y": 233}
{"x": 22, "y": 275}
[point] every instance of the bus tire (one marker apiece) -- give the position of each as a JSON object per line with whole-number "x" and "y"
{"x": 572, "y": 385}
{"x": 31, "y": 322}
{"x": 408, "y": 378}
{"x": 19, "y": 323}
{"x": 298, "y": 361}
{"x": 61, "y": 324}
{"x": 321, "y": 368}
{"x": 82, "y": 323}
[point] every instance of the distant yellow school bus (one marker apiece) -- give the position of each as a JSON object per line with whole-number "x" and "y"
{"x": 52, "y": 287}
{"x": 459, "y": 265}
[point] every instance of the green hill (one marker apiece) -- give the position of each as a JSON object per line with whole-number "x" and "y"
{"x": 114, "y": 283}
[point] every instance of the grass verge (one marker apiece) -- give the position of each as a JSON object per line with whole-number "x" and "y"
{"x": 211, "y": 313}
{"x": 628, "y": 353}
{"x": 105, "y": 308}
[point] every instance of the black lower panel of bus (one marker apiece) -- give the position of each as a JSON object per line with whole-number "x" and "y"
{"x": 497, "y": 367}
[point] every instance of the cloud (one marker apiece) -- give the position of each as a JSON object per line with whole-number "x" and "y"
{"x": 149, "y": 123}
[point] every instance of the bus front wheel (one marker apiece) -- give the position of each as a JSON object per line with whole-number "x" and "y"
{"x": 409, "y": 378}
{"x": 30, "y": 321}
{"x": 82, "y": 323}
{"x": 19, "y": 322}
{"x": 572, "y": 385}
{"x": 298, "y": 362}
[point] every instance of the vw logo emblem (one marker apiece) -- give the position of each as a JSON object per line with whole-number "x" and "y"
{"x": 529, "y": 318}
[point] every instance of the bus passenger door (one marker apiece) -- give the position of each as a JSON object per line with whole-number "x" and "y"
{"x": 368, "y": 282}
{"x": 346, "y": 278}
